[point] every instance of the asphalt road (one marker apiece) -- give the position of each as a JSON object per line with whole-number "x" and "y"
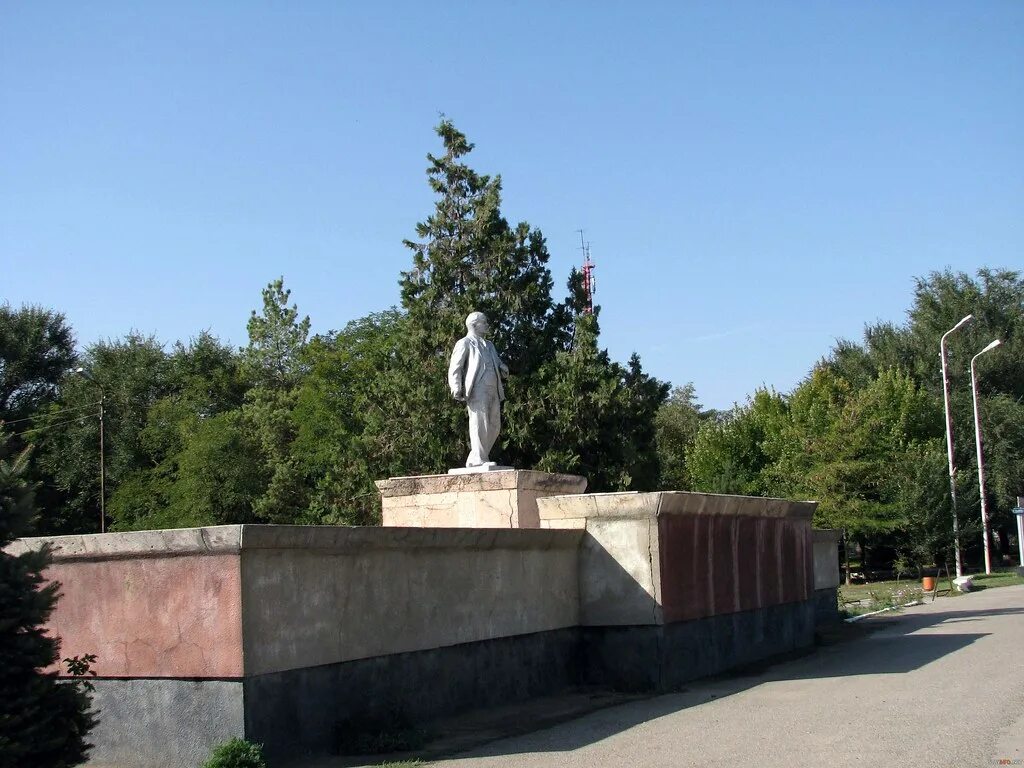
{"x": 938, "y": 685}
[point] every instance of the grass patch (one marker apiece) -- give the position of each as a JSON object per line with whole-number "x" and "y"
{"x": 857, "y": 599}
{"x": 998, "y": 579}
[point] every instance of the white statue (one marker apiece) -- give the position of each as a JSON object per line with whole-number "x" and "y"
{"x": 474, "y": 376}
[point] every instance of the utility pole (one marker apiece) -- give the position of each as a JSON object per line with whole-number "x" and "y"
{"x": 981, "y": 460}
{"x": 1018, "y": 513}
{"x": 949, "y": 443}
{"x": 103, "y": 474}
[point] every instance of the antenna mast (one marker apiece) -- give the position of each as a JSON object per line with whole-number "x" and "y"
{"x": 589, "y": 284}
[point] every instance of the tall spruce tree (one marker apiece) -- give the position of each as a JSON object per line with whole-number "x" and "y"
{"x": 275, "y": 365}
{"x": 569, "y": 407}
{"x": 43, "y": 722}
{"x": 468, "y": 258}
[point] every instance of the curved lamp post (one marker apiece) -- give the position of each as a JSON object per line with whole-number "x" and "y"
{"x": 949, "y": 443}
{"x": 103, "y": 475}
{"x": 981, "y": 462}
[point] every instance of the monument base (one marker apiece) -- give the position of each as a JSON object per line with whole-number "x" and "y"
{"x": 490, "y": 466}
{"x": 499, "y": 497}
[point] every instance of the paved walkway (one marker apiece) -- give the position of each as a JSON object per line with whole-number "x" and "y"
{"x": 938, "y": 685}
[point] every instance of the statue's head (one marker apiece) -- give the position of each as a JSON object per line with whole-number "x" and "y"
{"x": 477, "y": 323}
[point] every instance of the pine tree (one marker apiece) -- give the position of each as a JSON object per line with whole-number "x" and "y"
{"x": 468, "y": 258}
{"x": 43, "y": 722}
{"x": 274, "y": 363}
{"x": 378, "y": 395}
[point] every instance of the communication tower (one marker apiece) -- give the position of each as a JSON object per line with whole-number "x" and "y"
{"x": 589, "y": 283}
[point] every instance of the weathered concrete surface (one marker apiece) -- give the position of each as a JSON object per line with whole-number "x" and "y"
{"x": 163, "y": 723}
{"x": 939, "y": 685}
{"x": 826, "y": 558}
{"x": 323, "y": 596}
{"x": 498, "y": 499}
{"x": 620, "y": 573}
{"x": 120, "y": 546}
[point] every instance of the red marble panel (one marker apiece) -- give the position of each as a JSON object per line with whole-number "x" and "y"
{"x": 717, "y": 564}
{"x": 152, "y": 617}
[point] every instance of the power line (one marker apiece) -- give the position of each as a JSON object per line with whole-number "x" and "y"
{"x": 51, "y": 413}
{"x": 58, "y": 424}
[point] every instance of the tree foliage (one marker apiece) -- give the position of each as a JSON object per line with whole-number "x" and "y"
{"x": 36, "y": 349}
{"x": 863, "y": 433}
{"x": 294, "y": 428}
{"x": 43, "y": 722}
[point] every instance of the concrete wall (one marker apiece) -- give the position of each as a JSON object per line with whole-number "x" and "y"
{"x": 826, "y": 575}
{"x": 284, "y": 634}
{"x": 653, "y": 558}
{"x": 230, "y": 601}
{"x": 280, "y": 633}
{"x": 675, "y": 586}
{"x": 323, "y": 595}
{"x": 826, "y": 558}
{"x": 150, "y": 604}
{"x": 302, "y": 711}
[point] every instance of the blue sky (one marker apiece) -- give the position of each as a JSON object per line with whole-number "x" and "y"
{"x": 755, "y": 179}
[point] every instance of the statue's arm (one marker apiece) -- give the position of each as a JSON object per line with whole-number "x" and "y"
{"x": 456, "y": 370}
{"x": 502, "y": 368}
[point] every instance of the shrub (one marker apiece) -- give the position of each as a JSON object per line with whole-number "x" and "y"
{"x": 237, "y": 753}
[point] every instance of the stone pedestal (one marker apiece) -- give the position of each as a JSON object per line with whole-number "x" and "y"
{"x": 495, "y": 499}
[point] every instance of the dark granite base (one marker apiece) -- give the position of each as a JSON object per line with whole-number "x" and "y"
{"x": 163, "y": 723}
{"x": 662, "y": 658}
{"x": 301, "y": 711}
{"x": 175, "y": 723}
{"x": 826, "y": 607}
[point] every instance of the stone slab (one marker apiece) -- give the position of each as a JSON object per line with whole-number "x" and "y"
{"x": 137, "y": 544}
{"x": 632, "y": 504}
{"x": 722, "y": 564}
{"x": 478, "y": 499}
{"x": 481, "y": 468}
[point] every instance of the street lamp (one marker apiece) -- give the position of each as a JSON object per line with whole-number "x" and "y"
{"x": 949, "y": 443}
{"x": 981, "y": 463}
{"x": 103, "y": 475}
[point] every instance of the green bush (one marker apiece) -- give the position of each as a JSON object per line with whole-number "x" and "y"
{"x": 237, "y": 753}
